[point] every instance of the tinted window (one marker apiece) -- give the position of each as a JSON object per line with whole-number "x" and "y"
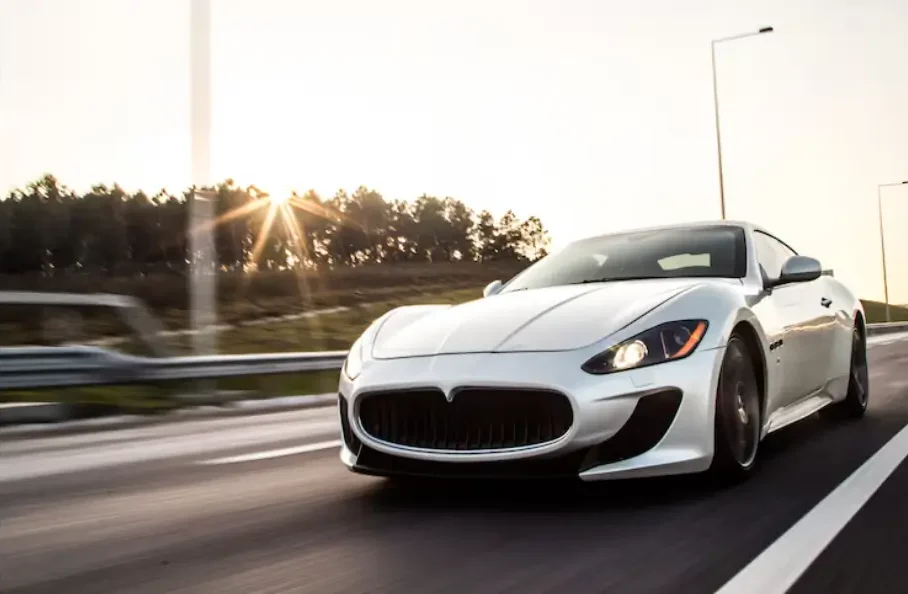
{"x": 771, "y": 253}
{"x": 695, "y": 252}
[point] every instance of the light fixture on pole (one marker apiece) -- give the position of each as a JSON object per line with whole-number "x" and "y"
{"x": 879, "y": 201}
{"x": 716, "y": 105}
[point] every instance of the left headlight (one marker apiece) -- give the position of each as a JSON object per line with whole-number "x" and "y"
{"x": 666, "y": 342}
{"x": 353, "y": 365}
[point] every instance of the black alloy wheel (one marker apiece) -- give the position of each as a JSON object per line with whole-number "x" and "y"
{"x": 738, "y": 414}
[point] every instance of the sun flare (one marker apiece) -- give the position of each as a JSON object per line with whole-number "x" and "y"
{"x": 282, "y": 213}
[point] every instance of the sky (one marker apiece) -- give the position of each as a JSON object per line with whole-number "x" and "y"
{"x": 595, "y": 115}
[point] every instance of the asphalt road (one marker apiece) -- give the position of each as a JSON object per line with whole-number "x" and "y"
{"x": 261, "y": 504}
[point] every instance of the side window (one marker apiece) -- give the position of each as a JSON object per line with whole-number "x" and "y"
{"x": 783, "y": 252}
{"x": 771, "y": 253}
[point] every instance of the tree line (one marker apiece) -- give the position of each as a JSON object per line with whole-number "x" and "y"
{"x": 49, "y": 229}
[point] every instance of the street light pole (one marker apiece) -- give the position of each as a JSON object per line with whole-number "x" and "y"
{"x": 716, "y": 106}
{"x": 879, "y": 201}
{"x": 203, "y": 269}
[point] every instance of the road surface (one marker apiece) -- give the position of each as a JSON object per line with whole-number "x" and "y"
{"x": 261, "y": 504}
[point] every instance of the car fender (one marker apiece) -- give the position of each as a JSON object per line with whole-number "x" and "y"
{"x": 729, "y": 309}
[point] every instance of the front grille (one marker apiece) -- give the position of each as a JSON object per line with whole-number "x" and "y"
{"x": 475, "y": 419}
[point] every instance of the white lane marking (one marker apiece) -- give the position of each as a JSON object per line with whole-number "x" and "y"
{"x": 17, "y": 465}
{"x": 778, "y": 567}
{"x": 309, "y": 447}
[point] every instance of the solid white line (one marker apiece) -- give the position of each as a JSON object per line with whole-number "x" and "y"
{"x": 309, "y": 447}
{"x": 778, "y": 567}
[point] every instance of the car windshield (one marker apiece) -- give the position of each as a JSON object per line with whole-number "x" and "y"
{"x": 716, "y": 251}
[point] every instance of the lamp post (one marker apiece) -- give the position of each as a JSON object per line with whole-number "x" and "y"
{"x": 879, "y": 201}
{"x": 716, "y": 105}
{"x": 203, "y": 275}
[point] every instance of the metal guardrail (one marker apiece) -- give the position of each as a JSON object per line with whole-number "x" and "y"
{"x": 37, "y": 367}
{"x": 131, "y": 312}
{"x": 56, "y": 367}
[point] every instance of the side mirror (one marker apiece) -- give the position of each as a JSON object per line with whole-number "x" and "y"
{"x": 492, "y": 288}
{"x": 799, "y": 269}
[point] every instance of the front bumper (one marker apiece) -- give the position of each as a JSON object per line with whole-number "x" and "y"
{"x": 638, "y": 423}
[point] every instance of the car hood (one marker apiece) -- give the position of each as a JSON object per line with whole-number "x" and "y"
{"x": 549, "y": 319}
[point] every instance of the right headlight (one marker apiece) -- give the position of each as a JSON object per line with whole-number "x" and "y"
{"x": 666, "y": 342}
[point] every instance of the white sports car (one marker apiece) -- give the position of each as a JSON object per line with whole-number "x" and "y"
{"x": 658, "y": 351}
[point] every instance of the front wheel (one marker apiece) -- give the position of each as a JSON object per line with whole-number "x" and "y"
{"x": 738, "y": 415}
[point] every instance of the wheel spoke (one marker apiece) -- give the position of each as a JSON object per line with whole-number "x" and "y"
{"x": 741, "y": 419}
{"x": 740, "y": 440}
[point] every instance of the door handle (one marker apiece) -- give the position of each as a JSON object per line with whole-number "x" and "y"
{"x": 825, "y": 302}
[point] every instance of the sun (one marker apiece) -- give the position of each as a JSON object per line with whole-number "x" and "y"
{"x": 278, "y": 208}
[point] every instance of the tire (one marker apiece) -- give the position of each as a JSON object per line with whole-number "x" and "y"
{"x": 738, "y": 423}
{"x": 855, "y": 403}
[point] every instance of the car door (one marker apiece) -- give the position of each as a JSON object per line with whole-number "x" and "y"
{"x": 819, "y": 304}
{"x": 806, "y": 345}
{"x": 837, "y": 301}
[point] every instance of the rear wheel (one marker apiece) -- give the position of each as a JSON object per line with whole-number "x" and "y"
{"x": 855, "y": 403}
{"x": 738, "y": 415}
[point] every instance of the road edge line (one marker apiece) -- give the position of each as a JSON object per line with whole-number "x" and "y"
{"x": 271, "y": 454}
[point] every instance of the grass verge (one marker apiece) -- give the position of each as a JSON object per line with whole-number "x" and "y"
{"x": 876, "y": 312}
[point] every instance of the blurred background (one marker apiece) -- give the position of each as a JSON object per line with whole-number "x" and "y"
{"x": 204, "y": 202}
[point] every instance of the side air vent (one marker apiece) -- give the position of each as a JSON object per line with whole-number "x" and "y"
{"x": 350, "y": 440}
{"x": 652, "y": 417}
